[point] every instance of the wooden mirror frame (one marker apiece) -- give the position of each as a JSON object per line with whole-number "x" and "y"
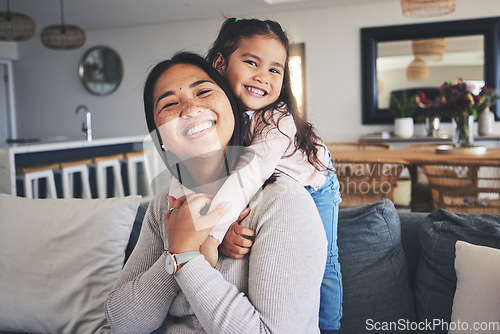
{"x": 488, "y": 27}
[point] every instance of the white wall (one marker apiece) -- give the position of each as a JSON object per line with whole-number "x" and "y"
{"x": 48, "y": 88}
{"x": 8, "y": 50}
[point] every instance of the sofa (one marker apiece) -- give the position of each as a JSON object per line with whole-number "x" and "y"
{"x": 409, "y": 272}
{"x": 59, "y": 258}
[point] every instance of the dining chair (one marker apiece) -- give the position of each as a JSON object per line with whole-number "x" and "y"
{"x": 464, "y": 187}
{"x": 420, "y": 189}
{"x": 364, "y": 182}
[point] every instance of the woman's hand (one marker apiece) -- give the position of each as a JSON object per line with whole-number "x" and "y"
{"x": 187, "y": 229}
{"x": 238, "y": 239}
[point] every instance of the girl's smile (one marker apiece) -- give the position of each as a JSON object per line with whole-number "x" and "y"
{"x": 256, "y": 91}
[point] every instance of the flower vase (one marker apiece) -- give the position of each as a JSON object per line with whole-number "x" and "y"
{"x": 485, "y": 122}
{"x": 464, "y": 127}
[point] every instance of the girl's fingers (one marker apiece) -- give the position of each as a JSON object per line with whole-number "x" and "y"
{"x": 244, "y": 231}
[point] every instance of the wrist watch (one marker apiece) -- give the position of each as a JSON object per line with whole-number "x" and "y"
{"x": 173, "y": 262}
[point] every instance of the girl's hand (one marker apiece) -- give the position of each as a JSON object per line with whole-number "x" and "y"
{"x": 238, "y": 239}
{"x": 187, "y": 229}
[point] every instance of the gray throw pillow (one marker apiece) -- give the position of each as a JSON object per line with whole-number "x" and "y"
{"x": 436, "y": 277}
{"x": 374, "y": 271}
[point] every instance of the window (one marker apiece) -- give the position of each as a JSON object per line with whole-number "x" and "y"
{"x": 296, "y": 63}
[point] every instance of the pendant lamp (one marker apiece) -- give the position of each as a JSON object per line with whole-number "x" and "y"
{"x": 427, "y": 8}
{"x": 15, "y": 27}
{"x": 63, "y": 37}
{"x": 430, "y": 49}
{"x": 418, "y": 70}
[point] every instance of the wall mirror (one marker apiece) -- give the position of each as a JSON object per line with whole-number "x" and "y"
{"x": 423, "y": 56}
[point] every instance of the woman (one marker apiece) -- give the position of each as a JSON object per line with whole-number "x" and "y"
{"x": 167, "y": 284}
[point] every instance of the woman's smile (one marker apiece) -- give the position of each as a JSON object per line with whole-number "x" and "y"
{"x": 199, "y": 129}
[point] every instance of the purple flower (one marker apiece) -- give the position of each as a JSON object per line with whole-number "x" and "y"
{"x": 465, "y": 101}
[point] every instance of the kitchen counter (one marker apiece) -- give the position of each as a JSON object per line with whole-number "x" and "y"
{"x": 58, "y": 143}
{"x": 58, "y": 149}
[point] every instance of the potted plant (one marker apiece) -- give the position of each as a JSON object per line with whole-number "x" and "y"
{"x": 403, "y": 108}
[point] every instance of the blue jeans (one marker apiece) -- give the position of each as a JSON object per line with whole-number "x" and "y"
{"x": 327, "y": 199}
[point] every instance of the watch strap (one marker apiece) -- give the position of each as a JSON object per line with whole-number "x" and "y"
{"x": 173, "y": 262}
{"x": 182, "y": 258}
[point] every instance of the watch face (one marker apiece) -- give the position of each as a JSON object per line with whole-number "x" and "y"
{"x": 170, "y": 264}
{"x": 101, "y": 70}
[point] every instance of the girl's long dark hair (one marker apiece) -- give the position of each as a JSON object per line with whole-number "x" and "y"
{"x": 237, "y": 140}
{"x": 232, "y": 32}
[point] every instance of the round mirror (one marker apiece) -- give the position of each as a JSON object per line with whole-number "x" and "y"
{"x": 101, "y": 70}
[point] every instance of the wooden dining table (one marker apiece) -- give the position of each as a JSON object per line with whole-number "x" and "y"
{"x": 411, "y": 158}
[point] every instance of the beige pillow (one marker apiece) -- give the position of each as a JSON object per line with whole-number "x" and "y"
{"x": 476, "y": 305}
{"x": 59, "y": 259}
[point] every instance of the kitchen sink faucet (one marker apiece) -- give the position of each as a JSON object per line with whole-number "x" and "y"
{"x": 87, "y": 124}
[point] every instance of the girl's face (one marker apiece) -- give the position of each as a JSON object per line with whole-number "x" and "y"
{"x": 192, "y": 113}
{"x": 255, "y": 71}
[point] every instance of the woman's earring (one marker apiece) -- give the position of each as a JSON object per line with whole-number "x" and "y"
{"x": 163, "y": 147}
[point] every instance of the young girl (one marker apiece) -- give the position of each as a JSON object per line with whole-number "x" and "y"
{"x": 252, "y": 55}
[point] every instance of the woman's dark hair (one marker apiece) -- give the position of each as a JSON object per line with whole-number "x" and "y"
{"x": 237, "y": 140}
{"x": 232, "y": 32}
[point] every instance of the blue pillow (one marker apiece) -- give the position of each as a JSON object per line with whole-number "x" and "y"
{"x": 436, "y": 277}
{"x": 374, "y": 271}
{"x": 136, "y": 229}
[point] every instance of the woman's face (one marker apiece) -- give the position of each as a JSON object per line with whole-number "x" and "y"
{"x": 192, "y": 113}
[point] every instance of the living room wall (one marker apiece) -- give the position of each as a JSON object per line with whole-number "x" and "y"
{"x": 48, "y": 89}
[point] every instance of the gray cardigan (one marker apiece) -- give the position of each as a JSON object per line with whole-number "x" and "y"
{"x": 274, "y": 289}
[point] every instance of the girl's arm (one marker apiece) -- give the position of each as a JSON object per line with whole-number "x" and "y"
{"x": 256, "y": 165}
{"x": 285, "y": 271}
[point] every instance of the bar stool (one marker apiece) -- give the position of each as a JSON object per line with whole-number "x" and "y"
{"x": 101, "y": 165}
{"x": 31, "y": 177}
{"x": 69, "y": 170}
{"x": 133, "y": 160}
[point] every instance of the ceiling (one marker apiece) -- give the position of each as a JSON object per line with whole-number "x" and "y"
{"x": 102, "y": 14}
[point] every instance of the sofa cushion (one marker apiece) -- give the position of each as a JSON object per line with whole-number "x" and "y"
{"x": 59, "y": 259}
{"x": 136, "y": 229}
{"x": 436, "y": 278}
{"x": 477, "y": 297}
{"x": 374, "y": 271}
{"x": 410, "y": 228}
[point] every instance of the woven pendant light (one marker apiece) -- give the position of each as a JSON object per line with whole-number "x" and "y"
{"x": 417, "y": 70}
{"x": 15, "y": 27}
{"x": 427, "y": 8}
{"x": 431, "y": 49}
{"x": 63, "y": 37}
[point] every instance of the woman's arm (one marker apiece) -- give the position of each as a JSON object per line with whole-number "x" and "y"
{"x": 141, "y": 298}
{"x": 286, "y": 267}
